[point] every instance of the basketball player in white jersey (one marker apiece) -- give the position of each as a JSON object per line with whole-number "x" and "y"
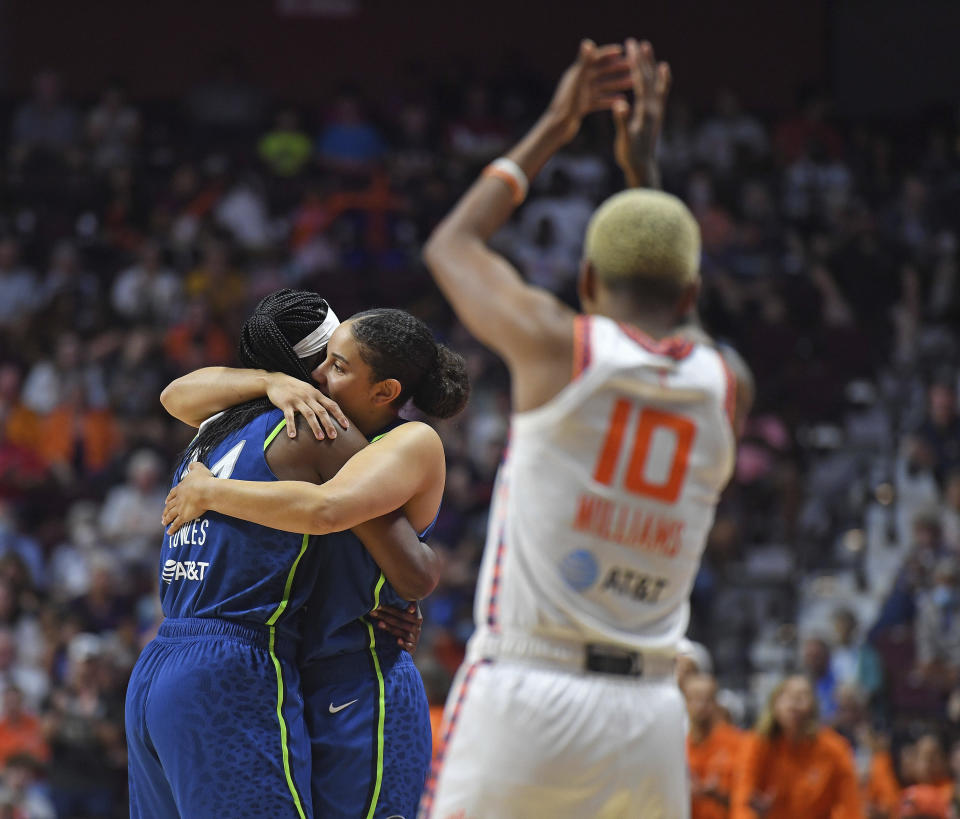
{"x": 622, "y": 438}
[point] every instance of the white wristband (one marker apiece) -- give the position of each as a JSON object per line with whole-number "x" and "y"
{"x": 507, "y": 166}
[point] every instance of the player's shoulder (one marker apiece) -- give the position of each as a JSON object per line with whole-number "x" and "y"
{"x": 548, "y": 324}
{"x": 411, "y": 436}
{"x": 305, "y": 451}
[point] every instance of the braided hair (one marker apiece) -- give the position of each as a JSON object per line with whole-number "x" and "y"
{"x": 395, "y": 344}
{"x": 279, "y": 321}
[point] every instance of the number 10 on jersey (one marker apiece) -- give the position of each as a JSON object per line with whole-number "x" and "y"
{"x": 665, "y": 489}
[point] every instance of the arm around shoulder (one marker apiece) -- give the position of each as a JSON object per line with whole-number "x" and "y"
{"x": 196, "y": 396}
{"x": 381, "y": 478}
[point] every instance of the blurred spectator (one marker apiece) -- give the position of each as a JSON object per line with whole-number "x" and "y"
{"x": 78, "y": 430}
{"x": 45, "y": 125}
{"x": 478, "y": 134}
{"x": 84, "y": 727}
{"x": 106, "y": 603}
{"x": 242, "y": 211}
{"x": 70, "y": 561}
{"x": 196, "y": 341}
{"x": 544, "y": 261}
{"x": 286, "y": 148}
{"x": 138, "y": 374}
{"x": 31, "y": 682}
{"x": 808, "y": 131}
{"x": 692, "y": 658}
{"x": 914, "y": 577}
{"x": 414, "y": 155}
{"x": 26, "y": 548}
{"x": 955, "y": 774}
{"x": 18, "y": 606}
{"x": 882, "y": 788}
{"x": 70, "y": 294}
{"x": 67, "y": 376}
{"x": 21, "y": 731}
{"x": 792, "y": 766}
{"x": 217, "y": 281}
{"x": 123, "y": 210}
{"x": 18, "y": 423}
{"x": 940, "y": 430}
{"x": 730, "y": 135}
{"x": 349, "y": 140}
{"x": 20, "y": 796}
{"x": 853, "y": 660}
{"x": 938, "y": 627}
{"x": 930, "y": 797}
{"x": 950, "y": 519}
{"x": 713, "y": 749}
{"x": 148, "y": 291}
{"x": 130, "y": 518}
{"x": 113, "y": 127}
{"x": 555, "y": 224}
{"x": 817, "y": 665}
{"x": 19, "y": 294}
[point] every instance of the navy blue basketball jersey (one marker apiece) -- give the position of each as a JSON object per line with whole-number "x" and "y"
{"x": 349, "y": 584}
{"x": 218, "y": 566}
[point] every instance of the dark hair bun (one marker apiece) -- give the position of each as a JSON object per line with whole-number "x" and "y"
{"x": 444, "y": 390}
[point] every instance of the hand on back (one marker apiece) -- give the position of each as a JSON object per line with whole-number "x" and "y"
{"x": 293, "y": 396}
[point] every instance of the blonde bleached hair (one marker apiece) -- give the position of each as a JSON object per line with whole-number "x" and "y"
{"x": 640, "y": 238}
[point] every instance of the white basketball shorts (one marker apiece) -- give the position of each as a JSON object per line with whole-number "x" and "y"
{"x": 523, "y": 741}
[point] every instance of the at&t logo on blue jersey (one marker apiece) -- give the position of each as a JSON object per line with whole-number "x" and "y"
{"x": 183, "y": 570}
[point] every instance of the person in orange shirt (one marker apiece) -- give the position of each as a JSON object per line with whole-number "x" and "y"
{"x": 931, "y": 795}
{"x": 881, "y": 791}
{"x": 20, "y": 731}
{"x": 713, "y": 749}
{"x": 792, "y": 767}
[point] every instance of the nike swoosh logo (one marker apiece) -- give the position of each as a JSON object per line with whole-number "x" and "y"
{"x": 334, "y": 709}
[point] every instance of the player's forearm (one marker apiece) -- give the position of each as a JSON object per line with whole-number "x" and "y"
{"x": 411, "y": 566}
{"x": 291, "y": 506}
{"x": 196, "y": 396}
{"x": 286, "y": 505}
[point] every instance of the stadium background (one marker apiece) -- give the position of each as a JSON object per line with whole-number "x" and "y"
{"x": 149, "y": 196}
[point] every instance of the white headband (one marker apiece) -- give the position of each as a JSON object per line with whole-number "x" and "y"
{"x": 317, "y": 340}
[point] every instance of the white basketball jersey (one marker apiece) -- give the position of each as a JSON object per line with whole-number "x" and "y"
{"x": 606, "y": 495}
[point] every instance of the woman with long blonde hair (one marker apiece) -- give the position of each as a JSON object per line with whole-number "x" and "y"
{"x": 794, "y": 767}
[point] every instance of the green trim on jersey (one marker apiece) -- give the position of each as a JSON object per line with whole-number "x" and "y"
{"x": 285, "y": 750}
{"x": 381, "y": 703}
{"x": 276, "y": 664}
{"x": 289, "y": 584}
{"x": 272, "y": 435}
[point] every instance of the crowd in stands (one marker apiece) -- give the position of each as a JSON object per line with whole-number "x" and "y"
{"x": 135, "y": 238}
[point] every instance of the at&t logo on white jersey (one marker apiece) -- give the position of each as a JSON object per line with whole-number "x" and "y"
{"x": 184, "y": 570}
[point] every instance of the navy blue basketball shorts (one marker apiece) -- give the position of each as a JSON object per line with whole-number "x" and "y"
{"x": 369, "y": 724}
{"x": 215, "y": 725}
